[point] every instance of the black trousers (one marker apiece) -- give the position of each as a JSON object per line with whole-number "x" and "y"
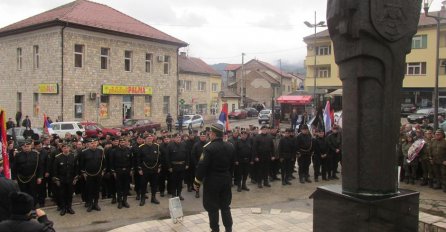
{"x": 149, "y": 177}
{"x": 304, "y": 162}
{"x": 217, "y": 196}
{"x": 316, "y": 166}
{"x": 137, "y": 180}
{"x": 332, "y": 164}
{"x": 262, "y": 171}
{"x": 189, "y": 175}
{"x": 324, "y": 167}
{"x": 65, "y": 193}
{"x": 122, "y": 183}
{"x": 177, "y": 182}
{"x": 286, "y": 166}
{"x": 92, "y": 188}
{"x": 42, "y": 191}
{"x": 80, "y": 188}
{"x": 241, "y": 173}
{"x": 30, "y": 187}
{"x": 274, "y": 168}
{"x": 169, "y": 127}
{"x": 163, "y": 177}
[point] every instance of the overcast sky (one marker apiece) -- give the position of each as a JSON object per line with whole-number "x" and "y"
{"x": 217, "y": 31}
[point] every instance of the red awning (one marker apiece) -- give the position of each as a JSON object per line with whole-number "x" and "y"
{"x": 295, "y": 100}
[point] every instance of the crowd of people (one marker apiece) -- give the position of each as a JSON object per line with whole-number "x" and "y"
{"x": 111, "y": 166}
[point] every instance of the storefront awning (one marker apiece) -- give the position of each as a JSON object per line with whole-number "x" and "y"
{"x": 295, "y": 100}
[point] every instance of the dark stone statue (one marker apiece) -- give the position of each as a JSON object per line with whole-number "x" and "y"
{"x": 371, "y": 39}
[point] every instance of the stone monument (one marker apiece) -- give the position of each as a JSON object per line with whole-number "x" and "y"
{"x": 371, "y": 39}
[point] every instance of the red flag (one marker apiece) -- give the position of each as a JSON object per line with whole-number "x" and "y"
{"x": 3, "y": 145}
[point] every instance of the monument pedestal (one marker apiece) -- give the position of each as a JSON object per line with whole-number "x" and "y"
{"x": 335, "y": 211}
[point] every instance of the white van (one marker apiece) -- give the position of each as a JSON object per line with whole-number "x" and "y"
{"x": 61, "y": 128}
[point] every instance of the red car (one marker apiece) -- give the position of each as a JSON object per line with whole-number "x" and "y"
{"x": 92, "y": 129}
{"x": 238, "y": 114}
{"x": 140, "y": 125}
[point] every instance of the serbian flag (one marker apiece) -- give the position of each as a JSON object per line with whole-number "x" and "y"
{"x": 46, "y": 125}
{"x": 327, "y": 117}
{"x": 223, "y": 118}
{"x": 3, "y": 145}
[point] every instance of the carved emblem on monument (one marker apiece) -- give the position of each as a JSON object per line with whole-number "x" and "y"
{"x": 391, "y": 18}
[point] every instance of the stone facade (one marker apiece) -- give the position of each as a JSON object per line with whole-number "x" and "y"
{"x": 87, "y": 80}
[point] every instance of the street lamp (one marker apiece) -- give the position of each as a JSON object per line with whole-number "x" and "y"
{"x": 438, "y": 19}
{"x": 315, "y": 26}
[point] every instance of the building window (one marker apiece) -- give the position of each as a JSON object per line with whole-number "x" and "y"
{"x": 323, "y": 50}
{"x": 166, "y": 104}
{"x": 419, "y": 41}
{"x": 103, "y": 106}
{"x": 148, "y": 106}
{"x": 128, "y": 106}
{"x": 149, "y": 62}
{"x": 78, "y": 55}
{"x": 128, "y": 61}
{"x": 36, "y": 56}
{"x": 79, "y": 106}
{"x": 214, "y": 87}
{"x": 289, "y": 88}
{"x": 323, "y": 72}
{"x": 166, "y": 64}
{"x": 19, "y": 101}
{"x": 442, "y": 67}
{"x": 36, "y": 107}
{"x": 201, "y": 108}
{"x": 201, "y": 86}
{"x": 416, "y": 68}
{"x": 19, "y": 59}
{"x": 186, "y": 85}
{"x": 105, "y": 57}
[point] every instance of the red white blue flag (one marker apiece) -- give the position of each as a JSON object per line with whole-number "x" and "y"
{"x": 223, "y": 118}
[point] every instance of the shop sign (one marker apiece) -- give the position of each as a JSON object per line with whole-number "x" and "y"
{"x": 48, "y": 88}
{"x": 126, "y": 90}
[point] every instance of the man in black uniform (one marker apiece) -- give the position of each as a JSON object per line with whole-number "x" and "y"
{"x": 64, "y": 176}
{"x": 149, "y": 161}
{"x": 286, "y": 152}
{"x": 28, "y": 170}
{"x": 92, "y": 167}
{"x": 214, "y": 168}
{"x": 197, "y": 149}
{"x": 320, "y": 156}
{"x": 177, "y": 161}
{"x": 136, "y": 176}
{"x": 263, "y": 149}
{"x": 304, "y": 143}
{"x": 120, "y": 167}
{"x": 243, "y": 160}
{"x": 164, "y": 173}
{"x": 41, "y": 188}
{"x": 334, "y": 142}
{"x": 108, "y": 179}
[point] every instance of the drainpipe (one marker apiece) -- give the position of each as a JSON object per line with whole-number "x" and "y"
{"x": 62, "y": 72}
{"x": 178, "y": 81}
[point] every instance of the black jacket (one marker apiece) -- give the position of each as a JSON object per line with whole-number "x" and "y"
{"x": 263, "y": 147}
{"x": 287, "y": 147}
{"x": 149, "y": 158}
{"x": 304, "y": 144}
{"x": 27, "y": 164}
{"x": 92, "y": 162}
{"x": 6, "y": 187}
{"x": 120, "y": 158}
{"x": 217, "y": 161}
{"x": 243, "y": 151}
{"x": 64, "y": 168}
{"x": 177, "y": 156}
{"x": 22, "y": 223}
{"x": 197, "y": 149}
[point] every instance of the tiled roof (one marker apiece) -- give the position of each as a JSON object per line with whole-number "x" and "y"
{"x": 232, "y": 67}
{"x": 94, "y": 15}
{"x": 274, "y": 69}
{"x": 266, "y": 76}
{"x": 195, "y": 65}
{"x": 423, "y": 22}
{"x": 229, "y": 94}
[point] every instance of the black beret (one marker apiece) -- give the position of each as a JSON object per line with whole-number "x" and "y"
{"x": 304, "y": 127}
{"x": 20, "y": 203}
{"x": 203, "y": 133}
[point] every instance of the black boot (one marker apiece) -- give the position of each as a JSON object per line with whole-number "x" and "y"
{"x": 266, "y": 184}
{"x": 119, "y": 202}
{"x": 154, "y": 200}
{"x": 90, "y": 207}
{"x": 307, "y": 179}
{"x": 431, "y": 183}
{"x": 63, "y": 211}
{"x": 143, "y": 201}
{"x": 424, "y": 182}
{"x": 239, "y": 188}
{"x": 96, "y": 206}
{"x": 70, "y": 210}
{"x": 283, "y": 182}
{"x": 301, "y": 180}
{"x": 124, "y": 202}
{"x": 138, "y": 196}
{"x": 113, "y": 199}
{"x": 244, "y": 187}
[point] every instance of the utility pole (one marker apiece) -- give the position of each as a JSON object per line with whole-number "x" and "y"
{"x": 242, "y": 79}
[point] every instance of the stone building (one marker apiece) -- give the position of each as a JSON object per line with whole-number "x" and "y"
{"x": 87, "y": 61}
{"x": 199, "y": 86}
{"x": 258, "y": 82}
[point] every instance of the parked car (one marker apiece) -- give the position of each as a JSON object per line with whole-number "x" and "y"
{"x": 93, "y": 128}
{"x": 140, "y": 125}
{"x": 264, "y": 116}
{"x": 408, "y": 108}
{"x": 61, "y": 128}
{"x": 252, "y": 112}
{"x": 192, "y": 121}
{"x": 427, "y": 113}
{"x": 238, "y": 114}
{"x": 18, "y": 133}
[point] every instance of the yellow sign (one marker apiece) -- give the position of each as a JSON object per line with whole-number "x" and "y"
{"x": 49, "y": 88}
{"x": 126, "y": 90}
